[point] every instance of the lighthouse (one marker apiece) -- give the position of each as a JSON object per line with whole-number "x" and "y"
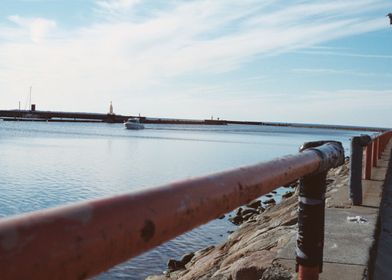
{"x": 111, "y": 109}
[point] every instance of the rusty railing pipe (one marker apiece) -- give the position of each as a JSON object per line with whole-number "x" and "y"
{"x": 86, "y": 238}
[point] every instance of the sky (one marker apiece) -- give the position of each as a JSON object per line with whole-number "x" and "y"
{"x": 327, "y": 62}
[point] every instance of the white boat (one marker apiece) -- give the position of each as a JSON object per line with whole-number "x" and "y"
{"x": 133, "y": 123}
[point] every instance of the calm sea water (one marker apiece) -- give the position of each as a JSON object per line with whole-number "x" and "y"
{"x": 48, "y": 164}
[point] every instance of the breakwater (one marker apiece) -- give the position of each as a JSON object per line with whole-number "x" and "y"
{"x": 58, "y": 116}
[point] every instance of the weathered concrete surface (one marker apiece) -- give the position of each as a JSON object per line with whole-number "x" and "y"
{"x": 345, "y": 242}
{"x": 334, "y": 271}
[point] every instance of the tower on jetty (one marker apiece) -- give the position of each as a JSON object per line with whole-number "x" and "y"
{"x": 111, "y": 116}
{"x": 111, "y": 109}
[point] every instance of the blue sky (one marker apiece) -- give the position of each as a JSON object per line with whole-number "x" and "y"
{"x": 290, "y": 61}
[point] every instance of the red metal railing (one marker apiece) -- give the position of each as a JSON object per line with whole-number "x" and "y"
{"x": 365, "y": 153}
{"x": 373, "y": 152}
{"x": 81, "y": 240}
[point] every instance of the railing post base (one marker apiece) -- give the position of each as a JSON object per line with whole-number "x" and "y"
{"x": 308, "y": 272}
{"x": 311, "y": 215}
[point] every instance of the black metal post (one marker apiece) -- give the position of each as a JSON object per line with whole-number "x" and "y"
{"x": 357, "y": 144}
{"x": 310, "y": 240}
{"x": 311, "y": 212}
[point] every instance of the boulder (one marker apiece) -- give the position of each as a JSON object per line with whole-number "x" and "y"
{"x": 187, "y": 258}
{"x": 254, "y": 204}
{"x": 288, "y": 194}
{"x": 247, "y": 216}
{"x": 237, "y": 220}
{"x": 249, "y": 211}
{"x": 252, "y": 266}
{"x": 174, "y": 265}
{"x": 270, "y": 201}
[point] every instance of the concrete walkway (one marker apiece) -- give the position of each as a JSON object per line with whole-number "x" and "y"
{"x": 349, "y": 247}
{"x": 383, "y": 250}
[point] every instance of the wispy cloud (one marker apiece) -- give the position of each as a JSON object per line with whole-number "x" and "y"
{"x": 114, "y": 8}
{"x": 359, "y": 94}
{"x": 116, "y": 5}
{"x": 329, "y": 71}
{"x": 317, "y": 12}
{"x": 345, "y": 54}
{"x": 38, "y": 28}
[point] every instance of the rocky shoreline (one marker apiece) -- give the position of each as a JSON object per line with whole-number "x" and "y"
{"x": 252, "y": 249}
